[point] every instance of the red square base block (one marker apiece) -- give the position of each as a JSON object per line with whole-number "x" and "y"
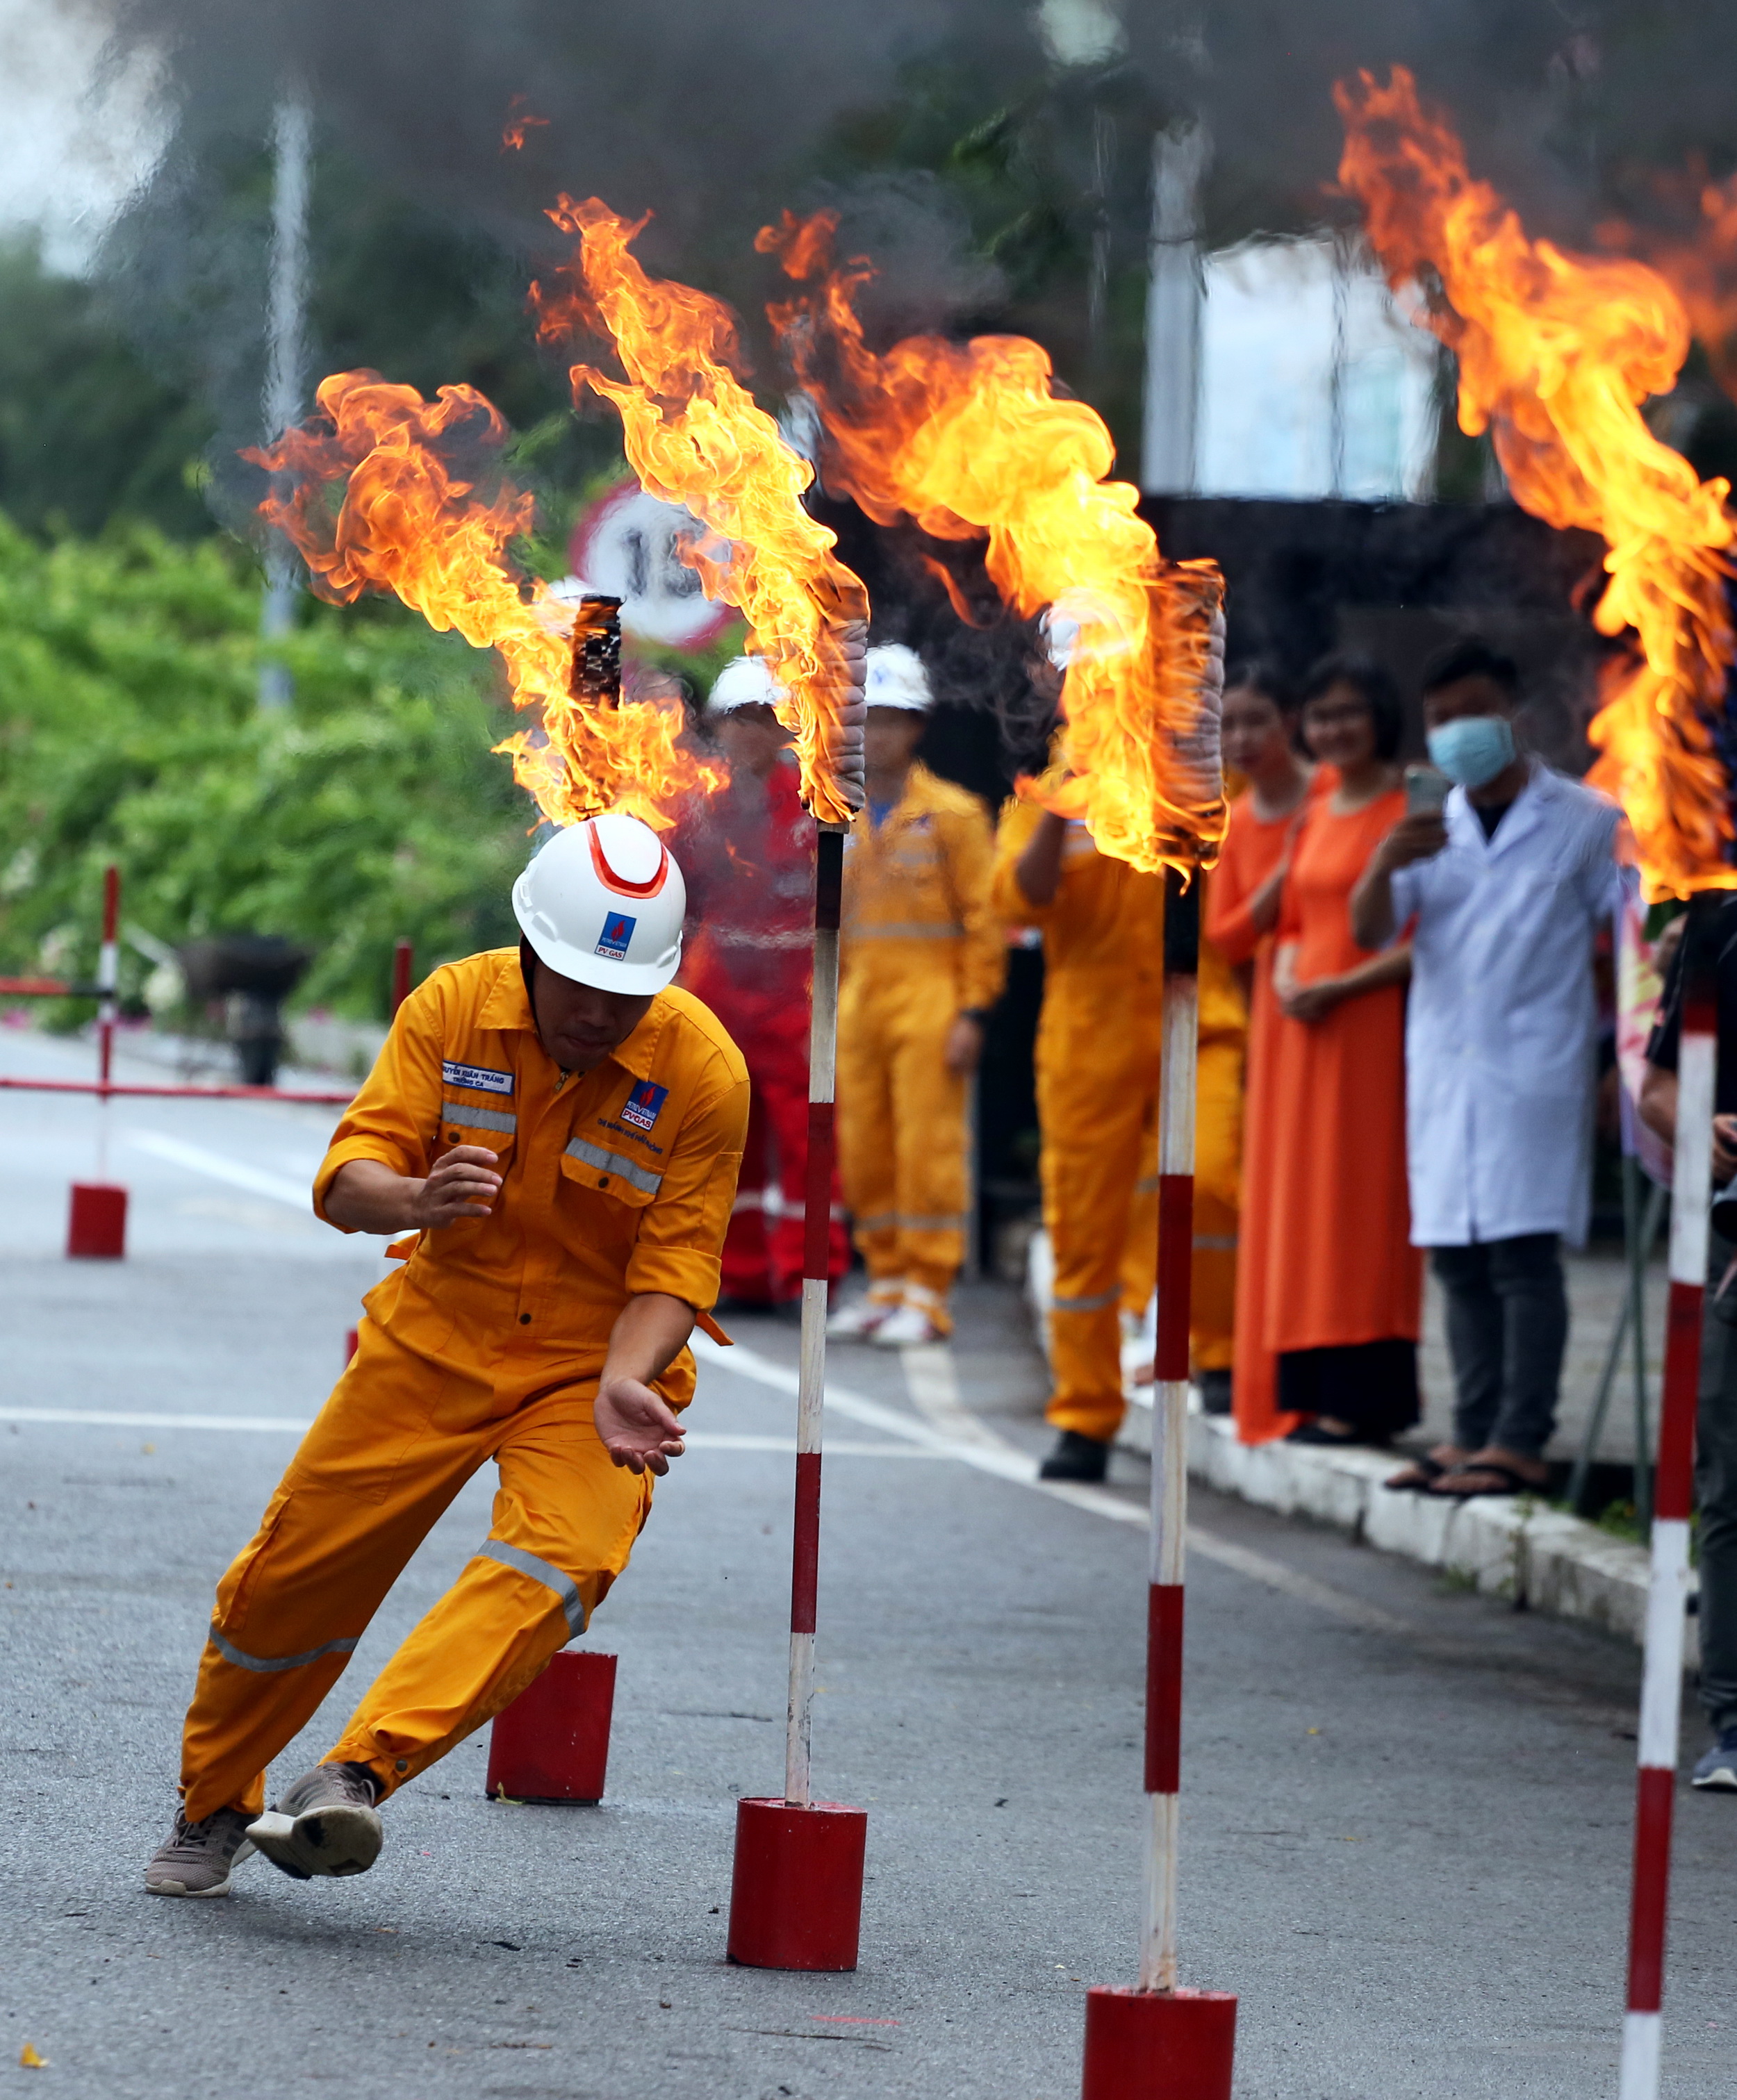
{"x": 796, "y": 1901}
{"x": 1159, "y": 2045}
{"x": 96, "y": 1223}
{"x": 552, "y": 1743}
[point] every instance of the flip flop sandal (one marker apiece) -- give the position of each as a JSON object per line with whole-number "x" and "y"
{"x": 1420, "y": 1474}
{"x": 1511, "y": 1483}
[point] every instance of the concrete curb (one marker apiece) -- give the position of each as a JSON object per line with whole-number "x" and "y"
{"x": 1534, "y": 1557}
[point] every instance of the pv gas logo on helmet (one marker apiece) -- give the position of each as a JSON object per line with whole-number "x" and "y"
{"x": 617, "y": 937}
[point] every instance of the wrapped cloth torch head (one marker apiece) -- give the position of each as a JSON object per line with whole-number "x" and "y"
{"x": 596, "y": 680}
{"x": 841, "y": 734}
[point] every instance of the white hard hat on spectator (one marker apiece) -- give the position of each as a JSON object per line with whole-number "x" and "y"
{"x": 744, "y": 682}
{"x": 897, "y": 679}
{"x": 602, "y": 903}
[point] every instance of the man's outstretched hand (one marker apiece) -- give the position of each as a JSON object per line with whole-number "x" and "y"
{"x": 638, "y": 1430}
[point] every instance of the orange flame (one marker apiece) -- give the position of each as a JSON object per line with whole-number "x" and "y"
{"x": 409, "y": 519}
{"x": 1703, "y": 273}
{"x": 519, "y": 121}
{"x": 694, "y": 435}
{"x": 970, "y": 441}
{"x": 1556, "y": 353}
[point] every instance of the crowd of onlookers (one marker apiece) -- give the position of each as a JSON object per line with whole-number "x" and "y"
{"x": 1398, "y": 1060}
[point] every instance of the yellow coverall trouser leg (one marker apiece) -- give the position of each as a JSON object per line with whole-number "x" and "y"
{"x": 1218, "y": 1144}
{"x": 399, "y": 1437}
{"x": 902, "y": 1131}
{"x": 1097, "y": 1088}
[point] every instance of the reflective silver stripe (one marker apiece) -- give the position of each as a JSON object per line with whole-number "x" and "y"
{"x": 1217, "y": 1242}
{"x": 739, "y": 937}
{"x": 1146, "y": 1185}
{"x": 878, "y": 1224}
{"x": 954, "y": 1224}
{"x": 615, "y": 1162}
{"x": 855, "y": 931}
{"x": 462, "y": 1112}
{"x": 1103, "y": 1299}
{"x": 540, "y": 1571}
{"x": 231, "y": 1653}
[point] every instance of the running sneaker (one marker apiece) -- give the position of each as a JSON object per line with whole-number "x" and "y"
{"x": 198, "y": 1859}
{"x": 908, "y": 1327}
{"x": 858, "y": 1322}
{"x": 324, "y": 1823}
{"x": 1718, "y": 1766}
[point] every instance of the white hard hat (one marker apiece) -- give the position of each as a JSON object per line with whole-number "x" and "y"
{"x": 744, "y": 682}
{"x": 897, "y": 679}
{"x": 602, "y": 903}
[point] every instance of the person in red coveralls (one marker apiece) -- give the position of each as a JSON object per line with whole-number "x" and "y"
{"x": 749, "y": 851}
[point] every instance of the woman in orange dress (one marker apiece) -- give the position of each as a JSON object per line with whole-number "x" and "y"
{"x": 1242, "y": 910}
{"x": 1344, "y": 1285}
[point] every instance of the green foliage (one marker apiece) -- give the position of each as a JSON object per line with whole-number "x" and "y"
{"x": 130, "y": 731}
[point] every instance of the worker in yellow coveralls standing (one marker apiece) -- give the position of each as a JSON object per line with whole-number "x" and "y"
{"x": 1098, "y": 1044}
{"x": 559, "y": 1129}
{"x": 921, "y": 962}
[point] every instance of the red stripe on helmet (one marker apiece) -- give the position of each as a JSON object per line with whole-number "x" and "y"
{"x": 619, "y": 885}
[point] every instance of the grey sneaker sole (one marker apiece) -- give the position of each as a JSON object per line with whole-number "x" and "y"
{"x": 341, "y": 1840}
{"x": 166, "y": 1886}
{"x": 1722, "y": 1778}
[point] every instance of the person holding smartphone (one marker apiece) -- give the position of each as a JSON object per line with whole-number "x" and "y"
{"x": 1503, "y": 887}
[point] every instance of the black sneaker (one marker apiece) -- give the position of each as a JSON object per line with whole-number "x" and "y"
{"x": 324, "y": 1823}
{"x": 1076, "y": 1458}
{"x": 1215, "y": 1392}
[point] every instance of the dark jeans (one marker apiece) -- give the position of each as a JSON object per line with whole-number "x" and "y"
{"x": 1507, "y": 1328}
{"x": 1715, "y": 1491}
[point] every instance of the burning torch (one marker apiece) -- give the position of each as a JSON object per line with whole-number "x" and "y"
{"x": 1159, "y": 2042}
{"x": 796, "y": 1897}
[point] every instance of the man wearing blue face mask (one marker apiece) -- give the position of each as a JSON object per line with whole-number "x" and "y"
{"x": 1503, "y": 891}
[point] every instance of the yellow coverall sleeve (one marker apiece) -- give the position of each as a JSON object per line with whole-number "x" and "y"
{"x": 1011, "y": 905}
{"x": 396, "y": 1116}
{"x": 681, "y": 1232}
{"x": 983, "y": 953}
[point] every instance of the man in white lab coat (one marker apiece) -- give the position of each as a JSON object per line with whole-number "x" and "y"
{"x": 1504, "y": 893}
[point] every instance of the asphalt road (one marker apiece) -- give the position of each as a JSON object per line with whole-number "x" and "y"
{"x": 1406, "y": 1808}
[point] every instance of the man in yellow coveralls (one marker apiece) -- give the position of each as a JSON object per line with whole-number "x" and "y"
{"x": 559, "y": 1130}
{"x": 1098, "y": 1044}
{"x": 922, "y": 960}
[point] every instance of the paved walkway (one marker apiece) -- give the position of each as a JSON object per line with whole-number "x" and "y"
{"x": 1406, "y": 1833}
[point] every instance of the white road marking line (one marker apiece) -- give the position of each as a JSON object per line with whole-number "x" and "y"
{"x": 299, "y": 1194}
{"x": 989, "y": 1452}
{"x": 698, "y": 1439}
{"x": 105, "y": 1418}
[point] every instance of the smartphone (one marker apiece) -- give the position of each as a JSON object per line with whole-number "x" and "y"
{"x": 1425, "y": 791}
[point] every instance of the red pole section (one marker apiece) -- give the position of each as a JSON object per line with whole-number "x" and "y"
{"x": 817, "y": 1204}
{"x": 107, "y": 971}
{"x": 1661, "y": 1687}
{"x": 403, "y": 956}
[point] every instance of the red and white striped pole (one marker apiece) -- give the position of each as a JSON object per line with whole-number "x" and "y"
{"x": 108, "y": 982}
{"x": 1674, "y": 1486}
{"x": 96, "y": 1217}
{"x": 404, "y": 955}
{"x": 796, "y": 1900}
{"x": 1158, "y": 2041}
